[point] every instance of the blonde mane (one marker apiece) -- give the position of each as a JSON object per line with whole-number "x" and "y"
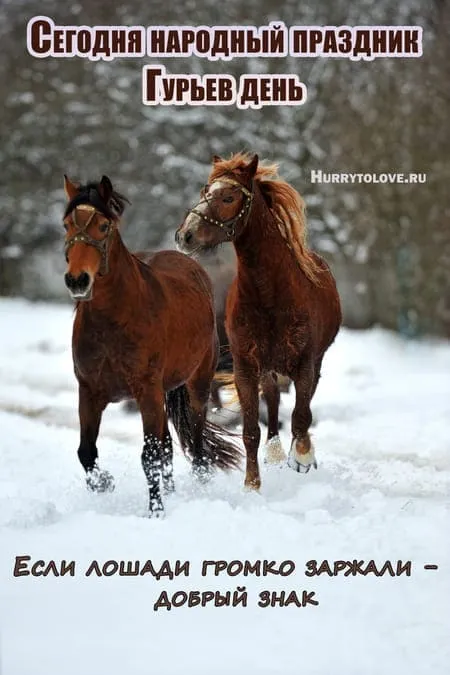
{"x": 285, "y": 203}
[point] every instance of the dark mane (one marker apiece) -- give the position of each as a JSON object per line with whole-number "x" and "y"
{"x": 90, "y": 194}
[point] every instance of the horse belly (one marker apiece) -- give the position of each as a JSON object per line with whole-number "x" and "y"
{"x": 190, "y": 339}
{"x": 116, "y": 385}
{"x": 191, "y": 330}
{"x": 276, "y": 345}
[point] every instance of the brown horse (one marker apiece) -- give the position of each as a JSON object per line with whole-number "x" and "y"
{"x": 283, "y": 309}
{"x": 142, "y": 330}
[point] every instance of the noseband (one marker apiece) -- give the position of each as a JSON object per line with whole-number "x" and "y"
{"x": 81, "y": 235}
{"x": 229, "y": 226}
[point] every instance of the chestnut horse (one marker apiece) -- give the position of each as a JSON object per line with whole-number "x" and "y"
{"x": 283, "y": 309}
{"x": 144, "y": 329}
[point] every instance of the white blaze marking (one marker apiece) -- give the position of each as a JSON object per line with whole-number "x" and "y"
{"x": 204, "y": 206}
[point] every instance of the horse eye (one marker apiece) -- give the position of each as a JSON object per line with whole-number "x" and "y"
{"x": 228, "y": 199}
{"x": 65, "y": 226}
{"x": 103, "y": 227}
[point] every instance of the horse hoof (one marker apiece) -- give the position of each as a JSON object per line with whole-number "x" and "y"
{"x": 156, "y": 510}
{"x": 273, "y": 451}
{"x": 252, "y": 485}
{"x": 100, "y": 481}
{"x": 169, "y": 487}
{"x": 159, "y": 514}
{"x": 298, "y": 467}
{"x": 251, "y": 489}
{"x": 202, "y": 473}
{"x": 301, "y": 461}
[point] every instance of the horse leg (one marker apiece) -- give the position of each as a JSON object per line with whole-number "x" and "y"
{"x": 201, "y": 464}
{"x": 151, "y": 405}
{"x": 246, "y": 378}
{"x": 167, "y": 462}
{"x": 90, "y": 409}
{"x": 317, "y": 369}
{"x": 198, "y": 388}
{"x": 273, "y": 448}
{"x": 301, "y": 455}
{"x": 215, "y": 396}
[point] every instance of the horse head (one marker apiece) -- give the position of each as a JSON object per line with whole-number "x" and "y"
{"x": 223, "y": 210}
{"x": 90, "y": 220}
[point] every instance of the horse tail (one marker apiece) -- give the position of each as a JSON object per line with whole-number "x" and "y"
{"x": 216, "y": 450}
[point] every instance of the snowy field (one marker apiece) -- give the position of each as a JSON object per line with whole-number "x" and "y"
{"x": 381, "y": 492}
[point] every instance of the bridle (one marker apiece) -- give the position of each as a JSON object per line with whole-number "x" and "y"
{"x": 81, "y": 235}
{"x": 229, "y": 226}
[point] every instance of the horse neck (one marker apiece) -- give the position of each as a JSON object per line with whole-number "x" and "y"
{"x": 260, "y": 249}
{"x": 114, "y": 291}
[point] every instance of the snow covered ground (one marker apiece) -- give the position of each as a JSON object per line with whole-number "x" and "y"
{"x": 381, "y": 492}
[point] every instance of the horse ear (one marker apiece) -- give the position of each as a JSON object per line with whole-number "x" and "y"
{"x": 216, "y": 159}
{"x": 69, "y": 188}
{"x": 105, "y": 188}
{"x": 252, "y": 166}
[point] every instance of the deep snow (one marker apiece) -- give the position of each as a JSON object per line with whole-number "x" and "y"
{"x": 381, "y": 492}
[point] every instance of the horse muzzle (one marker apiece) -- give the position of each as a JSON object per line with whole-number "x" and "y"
{"x": 80, "y": 287}
{"x": 185, "y": 239}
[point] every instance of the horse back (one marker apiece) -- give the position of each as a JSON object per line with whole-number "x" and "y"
{"x": 177, "y": 271}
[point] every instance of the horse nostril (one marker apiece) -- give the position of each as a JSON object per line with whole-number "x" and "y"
{"x": 83, "y": 280}
{"x": 69, "y": 280}
{"x": 188, "y": 237}
{"x": 80, "y": 283}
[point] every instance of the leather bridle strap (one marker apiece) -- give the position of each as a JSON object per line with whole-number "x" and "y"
{"x": 228, "y": 225}
{"x": 81, "y": 236}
